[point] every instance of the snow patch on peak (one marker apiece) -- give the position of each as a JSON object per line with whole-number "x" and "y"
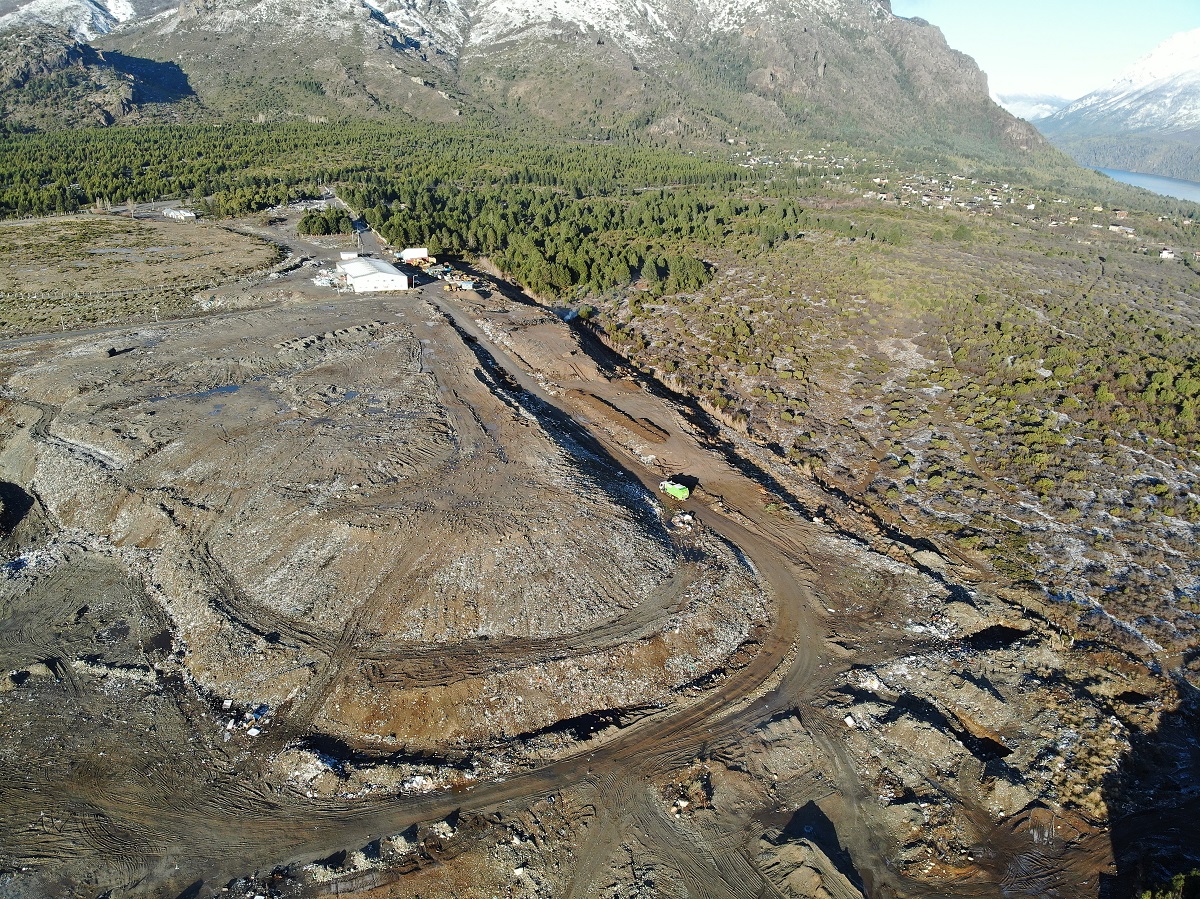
{"x": 330, "y": 17}
{"x": 121, "y": 10}
{"x": 641, "y": 25}
{"x": 1178, "y": 56}
{"x": 444, "y": 24}
{"x": 638, "y": 24}
{"x": 723, "y": 15}
{"x": 84, "y": 18}
{"x": 1159, "y": 92}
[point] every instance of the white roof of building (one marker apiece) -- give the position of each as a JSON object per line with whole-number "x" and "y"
{"x": 364, "y": 266}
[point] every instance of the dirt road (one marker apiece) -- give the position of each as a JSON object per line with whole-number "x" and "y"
{"x": 294, "y": 581}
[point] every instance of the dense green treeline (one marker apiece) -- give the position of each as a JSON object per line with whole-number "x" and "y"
{"x": 245, "y": 167}
{"x": 1172, "y": 156}
{"x": 559, "y": 217}
{"x": 334, "y": 220}
{"x": 556, "y": 216}
{"x": 552, "y": 240}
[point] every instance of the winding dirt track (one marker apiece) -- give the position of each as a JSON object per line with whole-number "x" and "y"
{"x": 791, "y": 668}
{"x": 216, "y": 825}
{"x": 789, "y": 655}
{"x": 239, "y": 825}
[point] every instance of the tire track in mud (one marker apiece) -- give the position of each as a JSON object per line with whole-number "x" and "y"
{"x": 711, "y": 866}
{"x": 653, "y": 745}
{"x": 604, "y": 835}
{"x": 404, "y": 665}
{"x": 342, "y": 655}
{"x": 672, "y": 741}
{"x": 40, "y": 431}
{"x": 239, "y": 824}
{"x": 440, "y": 664}
{"x": 231, "y": 600}
{"x": 228, "y": 597}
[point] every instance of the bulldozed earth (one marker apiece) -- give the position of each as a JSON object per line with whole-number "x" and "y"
{"x": 375, "y": 596}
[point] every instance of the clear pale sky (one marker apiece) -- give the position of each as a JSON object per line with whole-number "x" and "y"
{"x": 1063, "y": 47}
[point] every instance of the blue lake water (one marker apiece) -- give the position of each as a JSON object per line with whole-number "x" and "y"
{"x": 1167, "y": 187}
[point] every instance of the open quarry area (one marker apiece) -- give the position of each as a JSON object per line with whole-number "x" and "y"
{"x": 376, "y": 596}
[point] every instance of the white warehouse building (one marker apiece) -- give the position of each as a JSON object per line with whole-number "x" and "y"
{"x": 366, "y": 275}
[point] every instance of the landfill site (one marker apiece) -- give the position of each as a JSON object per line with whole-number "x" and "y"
{"x": 427, "y": 593}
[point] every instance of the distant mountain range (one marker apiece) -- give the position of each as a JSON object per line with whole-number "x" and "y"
{"x": 1032, "y": 107}
{"x": 677, "y": 70}
{"x": 1146, "y": 120}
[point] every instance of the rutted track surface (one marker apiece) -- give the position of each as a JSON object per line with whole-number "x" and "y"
{"x": 427, "y": 533}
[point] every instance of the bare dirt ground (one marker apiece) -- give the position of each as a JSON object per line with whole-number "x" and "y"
{"x": 376, "y": 597}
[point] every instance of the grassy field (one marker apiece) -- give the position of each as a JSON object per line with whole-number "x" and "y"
{"x": 75, "y": 271}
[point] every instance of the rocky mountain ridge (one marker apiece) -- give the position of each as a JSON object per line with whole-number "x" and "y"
{"x": 48, "y": 78}
{"x": 681, "y": 71}
{"x": 85, "y": 19}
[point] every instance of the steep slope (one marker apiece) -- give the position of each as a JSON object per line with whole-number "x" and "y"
{"x": 681, "y": 71}
{"x": 822, "y": 68}
{"x": 49, "y": 79}
{"x": 1147, "y": 119}
{"x": 280, "y": 59}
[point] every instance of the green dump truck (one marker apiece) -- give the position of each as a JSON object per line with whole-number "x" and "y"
{"x": 671, "y": 488}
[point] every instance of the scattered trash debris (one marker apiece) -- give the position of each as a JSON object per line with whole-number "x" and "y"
{"x": 683, "y": 521}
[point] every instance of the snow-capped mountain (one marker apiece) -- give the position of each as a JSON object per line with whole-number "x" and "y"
{"x": 635, "y": 25}
{"x": 1032, "y": 107}
{"x": 1146, "y": 120}
{"x": 458, "y": 28}
{"x": 1159, "y": 93}
{"x": 86, "y": 19}
{"x": 677, "y": 69}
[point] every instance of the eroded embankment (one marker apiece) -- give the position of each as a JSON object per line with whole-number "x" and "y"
{"x": 373, "y": 564}
{"x": 465, "y": 652}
